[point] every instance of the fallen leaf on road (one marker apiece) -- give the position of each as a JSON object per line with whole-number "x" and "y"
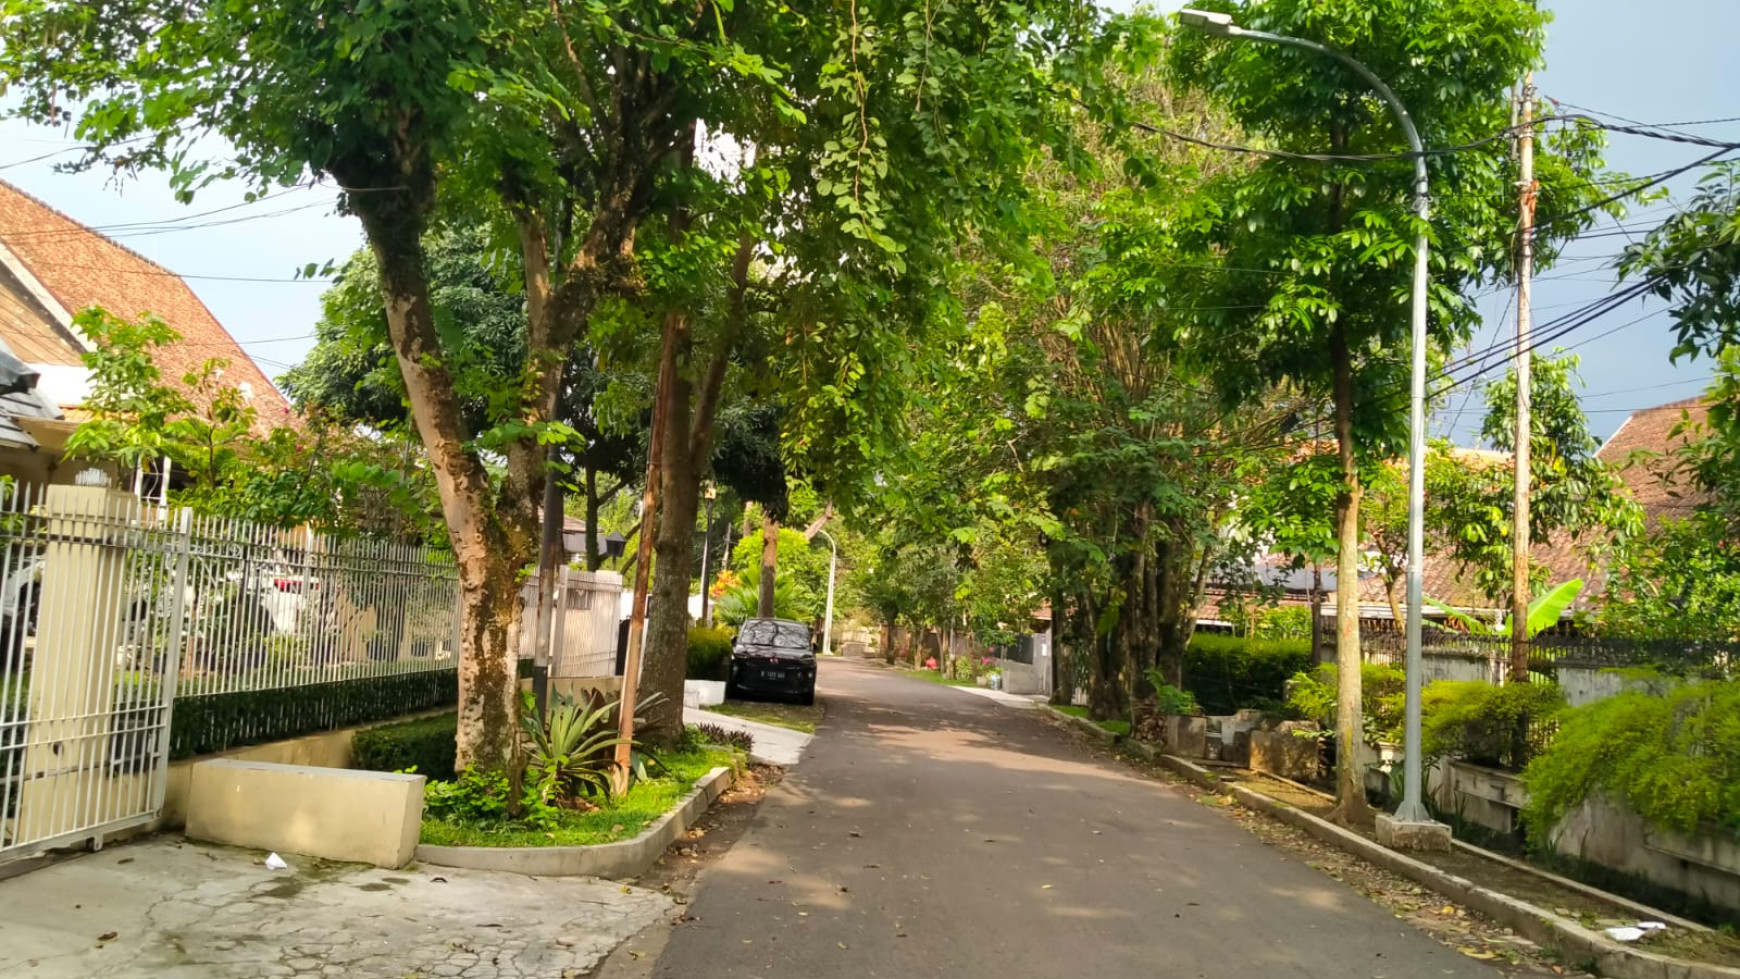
{"x": 1476, "y": 953}
{"x": 1045, "y": 887}
{"x": 107, "y": 936}
{"x": 842, "y": 944}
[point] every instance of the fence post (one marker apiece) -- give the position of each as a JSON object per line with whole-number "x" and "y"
{"x": 174, "y": 653}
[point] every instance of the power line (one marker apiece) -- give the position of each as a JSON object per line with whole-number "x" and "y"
{"x": 179, "y": 275}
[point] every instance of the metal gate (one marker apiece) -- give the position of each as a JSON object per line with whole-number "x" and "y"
{"x": 92, "y": 602}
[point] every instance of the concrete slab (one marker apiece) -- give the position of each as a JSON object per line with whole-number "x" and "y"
{"x": 171, "y": 909}
{"x": 774, "y": 745}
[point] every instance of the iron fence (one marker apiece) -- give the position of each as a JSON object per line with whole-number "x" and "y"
{"x": 116, "y": 614}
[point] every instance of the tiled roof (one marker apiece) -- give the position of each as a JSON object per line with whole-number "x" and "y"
{"x": 1640, "y": 451}
{"x": 80, "y": 268}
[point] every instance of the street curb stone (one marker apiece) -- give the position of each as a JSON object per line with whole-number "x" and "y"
{"x": 1580, "y": 946}
{"x": 1082, "y": 724}
{"x": 628, "y": 858}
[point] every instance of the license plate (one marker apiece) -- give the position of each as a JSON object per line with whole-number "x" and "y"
{"x": 773, "y": 674}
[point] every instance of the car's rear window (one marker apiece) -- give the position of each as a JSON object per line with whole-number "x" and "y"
{"x": 785, "y": 635}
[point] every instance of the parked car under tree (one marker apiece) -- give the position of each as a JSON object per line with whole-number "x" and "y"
{"x": 773, "y": 657}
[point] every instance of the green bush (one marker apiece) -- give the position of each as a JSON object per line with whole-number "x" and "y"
{"x": 1502, "y": 726}
{"x": 709, "y": 652}
{"x": 1673, "y": 757}
{"x": 208, "y": 723}
{"x": 1227, "y": 674}
{"x": 1312, "y": 697}
{"x": 425, "y": 744}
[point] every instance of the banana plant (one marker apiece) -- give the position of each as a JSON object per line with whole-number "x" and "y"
{"x": 1544, "y": 612}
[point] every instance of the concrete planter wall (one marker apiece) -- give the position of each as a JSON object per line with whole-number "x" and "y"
{"x": 1490, "y": 797}
{"x": 1704, "y": 864}
{"x": 703, "y": 693}
{"x": 1289, "y": 751}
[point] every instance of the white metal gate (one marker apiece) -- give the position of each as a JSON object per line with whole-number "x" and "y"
{"x": 92, "y": 586}
{"x": 583, "y": 632}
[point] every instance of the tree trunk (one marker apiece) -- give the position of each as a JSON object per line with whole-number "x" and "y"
{"x": 490, "y": 543}
{"x": 689, "y": 410}
{"x": 594, "y": 553}
{"x": 1350, "y": 804}
{"x": 769, "y": 565}
{"x": 1393, "y": 585}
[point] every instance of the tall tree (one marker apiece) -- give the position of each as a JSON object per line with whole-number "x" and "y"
{"x": 1326, "y": 248}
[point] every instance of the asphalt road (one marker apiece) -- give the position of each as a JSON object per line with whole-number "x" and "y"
{"x": 932, "y": 832}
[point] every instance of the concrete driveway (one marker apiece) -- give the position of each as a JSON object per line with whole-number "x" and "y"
{"x": 934, "y": 833}
{"x": 165, "y": 909}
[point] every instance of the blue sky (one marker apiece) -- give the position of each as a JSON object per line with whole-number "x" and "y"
{"x": 1664, "y": 61}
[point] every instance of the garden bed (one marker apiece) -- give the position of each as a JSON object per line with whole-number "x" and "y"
{"x": 614, "y": 821}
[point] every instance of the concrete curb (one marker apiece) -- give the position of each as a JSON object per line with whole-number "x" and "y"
{"x": 1083, "y": 724}
{"x": 1580, "y": 946}
{"x": 629, "y": 858}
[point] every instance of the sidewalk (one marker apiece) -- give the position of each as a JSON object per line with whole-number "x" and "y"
{"x": 171, "y": 909}
{"x": 774, "y": 745}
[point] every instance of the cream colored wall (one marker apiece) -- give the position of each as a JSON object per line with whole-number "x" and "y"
{"x": 333, "y": 813}
{"x": 328, "y": 749}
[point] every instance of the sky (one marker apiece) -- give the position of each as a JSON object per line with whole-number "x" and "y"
{"x": 1662, "y": 61}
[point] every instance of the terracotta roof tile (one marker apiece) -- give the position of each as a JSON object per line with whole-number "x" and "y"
{"x": 1640, "y": 450}
{"x": 80, "y": 268}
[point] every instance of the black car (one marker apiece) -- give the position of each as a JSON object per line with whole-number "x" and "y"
{"x": 773, "y": 657}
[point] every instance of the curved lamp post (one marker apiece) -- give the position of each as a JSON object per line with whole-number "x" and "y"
{"x": 1412, "y": 810}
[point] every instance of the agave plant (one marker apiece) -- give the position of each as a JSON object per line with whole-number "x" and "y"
{"x": 570, "y": 753}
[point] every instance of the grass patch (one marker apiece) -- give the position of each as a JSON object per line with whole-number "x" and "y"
{"x": 1071, "y": 710}
{"x": 621, "y": 819}
{"x": 934, "y": 676}
{"x": 797, "y": 717}
{"x": 1120, "y": 728}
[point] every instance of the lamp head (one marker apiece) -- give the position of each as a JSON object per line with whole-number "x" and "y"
{"x": 1208, "y": 22}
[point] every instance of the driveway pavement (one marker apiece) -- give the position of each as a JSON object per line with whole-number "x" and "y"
{"x": 931, "y": 832}
{"x": 165, "y": 909}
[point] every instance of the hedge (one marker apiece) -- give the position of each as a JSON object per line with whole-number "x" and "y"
{"x": 709, "y": 653}
{"x": 1228, "y": 673}
{"x": 217, "y": 722}
{"x": 426, "y": 745}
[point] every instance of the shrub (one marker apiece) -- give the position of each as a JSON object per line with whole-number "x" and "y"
{"x": 1312, "y": 697}
{"x": 714, "y": 734}
{"x": 1673, "y": 757}
{"x": 1168, "y": 699}
{"x": 1502, "y": 726}
{"x": 481, "y": 798}
{"x": 709, "y": 653}
{"x": 1227, "y": 674}
{"x": 425, "y": 745}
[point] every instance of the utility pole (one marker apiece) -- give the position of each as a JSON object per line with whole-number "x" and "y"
{"x": 649, "y": 505}
{"x": 1519, "y": 599}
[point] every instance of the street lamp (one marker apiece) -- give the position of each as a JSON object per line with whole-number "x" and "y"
{"x": 1412, "y": 810}
{"x": 828, "y": 615}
